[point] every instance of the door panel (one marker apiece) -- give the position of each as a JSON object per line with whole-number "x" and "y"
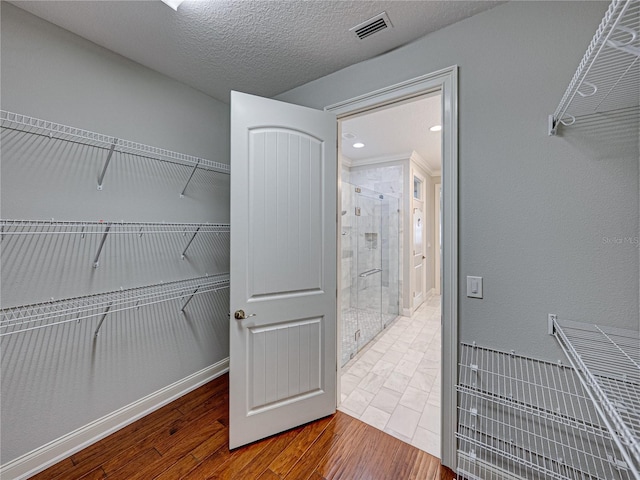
{"x": 285, "y": 363}
{"x": 283, "y": 267}
{"x": 285, "y": 196}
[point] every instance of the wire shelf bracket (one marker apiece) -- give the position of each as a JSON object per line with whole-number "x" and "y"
{"x": 195, "y": 167}
{"x": 608, "y": 77}
{"x": 96, "y": 261}
{"x": 106, "y": 163}
{"x": 184, "y": 252}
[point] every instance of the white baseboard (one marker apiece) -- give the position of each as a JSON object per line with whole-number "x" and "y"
{"x": 43, "y": 457}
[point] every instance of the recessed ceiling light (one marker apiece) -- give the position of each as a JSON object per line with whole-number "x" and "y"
{"x": 173, "y": 3}
{"x": 358, "y": 145}
{"x": 436, "y": 128}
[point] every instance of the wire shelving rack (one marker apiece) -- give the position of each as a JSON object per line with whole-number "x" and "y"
{"x": 522, "y": 418}
{"x": 607, "y": 361}
{"x": 25, "y": 318}
{"x": 17, "y": 121}
{"x": 23, "y": 228}
{"x": 608, "y": 77}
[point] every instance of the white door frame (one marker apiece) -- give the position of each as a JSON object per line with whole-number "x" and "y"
{"x": 436, "y": 239}
{"x": 446, "y": 81}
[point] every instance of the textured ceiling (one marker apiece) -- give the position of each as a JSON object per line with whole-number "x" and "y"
{"x": 263, "y": 47}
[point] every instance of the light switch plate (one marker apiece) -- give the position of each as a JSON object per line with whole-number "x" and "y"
{"x": 474, "y": 287}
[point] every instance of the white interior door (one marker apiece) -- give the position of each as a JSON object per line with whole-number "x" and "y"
{"x": 418, "y": 256}
{"x": 283, "y": 267}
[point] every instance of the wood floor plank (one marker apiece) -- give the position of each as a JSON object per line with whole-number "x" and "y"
{"x": 371, "y": 463}
{"x": 188, "y": 439}
{"x": 211, "y": 445}
{"x": 307, "y": 464}
{"x": 261, "y": 463}
{"x": 129, "y": 469}
{"x": 284, "y": 462}
{"x": 339, "y": 461}
{"x": 268, "y": 475}
{"x": 192, "y": 437}
{"x": 204, "y": 394}
{"x": 178, "y": 469}
{"x": 240, "y": 458}
{"x": 403, "y": 461}
{"x": 123, "y": 439}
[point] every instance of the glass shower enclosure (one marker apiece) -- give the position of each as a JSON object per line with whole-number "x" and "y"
{"x": 370, "y": 265}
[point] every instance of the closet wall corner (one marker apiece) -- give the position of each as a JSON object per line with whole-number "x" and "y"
{"x": 114, "y": 251}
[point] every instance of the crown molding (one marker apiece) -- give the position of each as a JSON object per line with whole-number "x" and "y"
{"x": 401, "y": 157}
{"x": 422, "y": 163}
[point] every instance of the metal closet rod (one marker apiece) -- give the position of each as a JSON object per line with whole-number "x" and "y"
{"x": 34, "y": 125}
{"x": 57, "y": 312}
{"x": 97, "y": 227}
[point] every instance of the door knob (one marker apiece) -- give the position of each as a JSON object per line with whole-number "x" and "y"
{"x": 240, "y": 315}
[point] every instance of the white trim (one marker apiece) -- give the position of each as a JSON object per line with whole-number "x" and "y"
{"x": 43, "y": 457}
{"x": 429, "y": 294}
{"x": 422, "y": 163}
{"x": 446, "y": 81}
{"x": 436, "y": 239}
{"x": 392, "y": 94}
{"x": 402, "y": 157}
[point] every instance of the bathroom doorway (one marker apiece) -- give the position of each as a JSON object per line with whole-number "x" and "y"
{"x": 391, "y": 337}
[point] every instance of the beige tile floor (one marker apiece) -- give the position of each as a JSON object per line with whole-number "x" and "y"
{"x": 394, "y": 383}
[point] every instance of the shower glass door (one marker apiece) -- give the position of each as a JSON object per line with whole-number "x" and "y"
{"x": 370, "y": 266}
{"x": 368, "y": 285}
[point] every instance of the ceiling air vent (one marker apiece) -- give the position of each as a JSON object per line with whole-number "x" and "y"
{"x": 371, "y": 26}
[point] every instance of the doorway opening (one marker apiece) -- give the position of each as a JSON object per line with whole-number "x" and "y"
{"x": 391, "y": 338}
{"x": 443, "y": 82}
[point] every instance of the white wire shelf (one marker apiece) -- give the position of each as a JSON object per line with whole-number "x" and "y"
{"x": 10, "y": 228}
{"x": 22, "y": 228}
{"x": 25, "y": 318}
{"x": 607, "y": 361}
{"x": 25, "y": 123}
{"x": 608, "y": 77}
{"x": 524, "y": 418}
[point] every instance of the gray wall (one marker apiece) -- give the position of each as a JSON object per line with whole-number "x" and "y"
{"x": 58, "y": 379}
{"x": 535, "y": 211}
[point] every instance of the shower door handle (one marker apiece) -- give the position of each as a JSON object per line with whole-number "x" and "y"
{"x": 370, "y": 272}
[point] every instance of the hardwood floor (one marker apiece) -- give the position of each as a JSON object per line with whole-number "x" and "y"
{"x": 188, "y": 439}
